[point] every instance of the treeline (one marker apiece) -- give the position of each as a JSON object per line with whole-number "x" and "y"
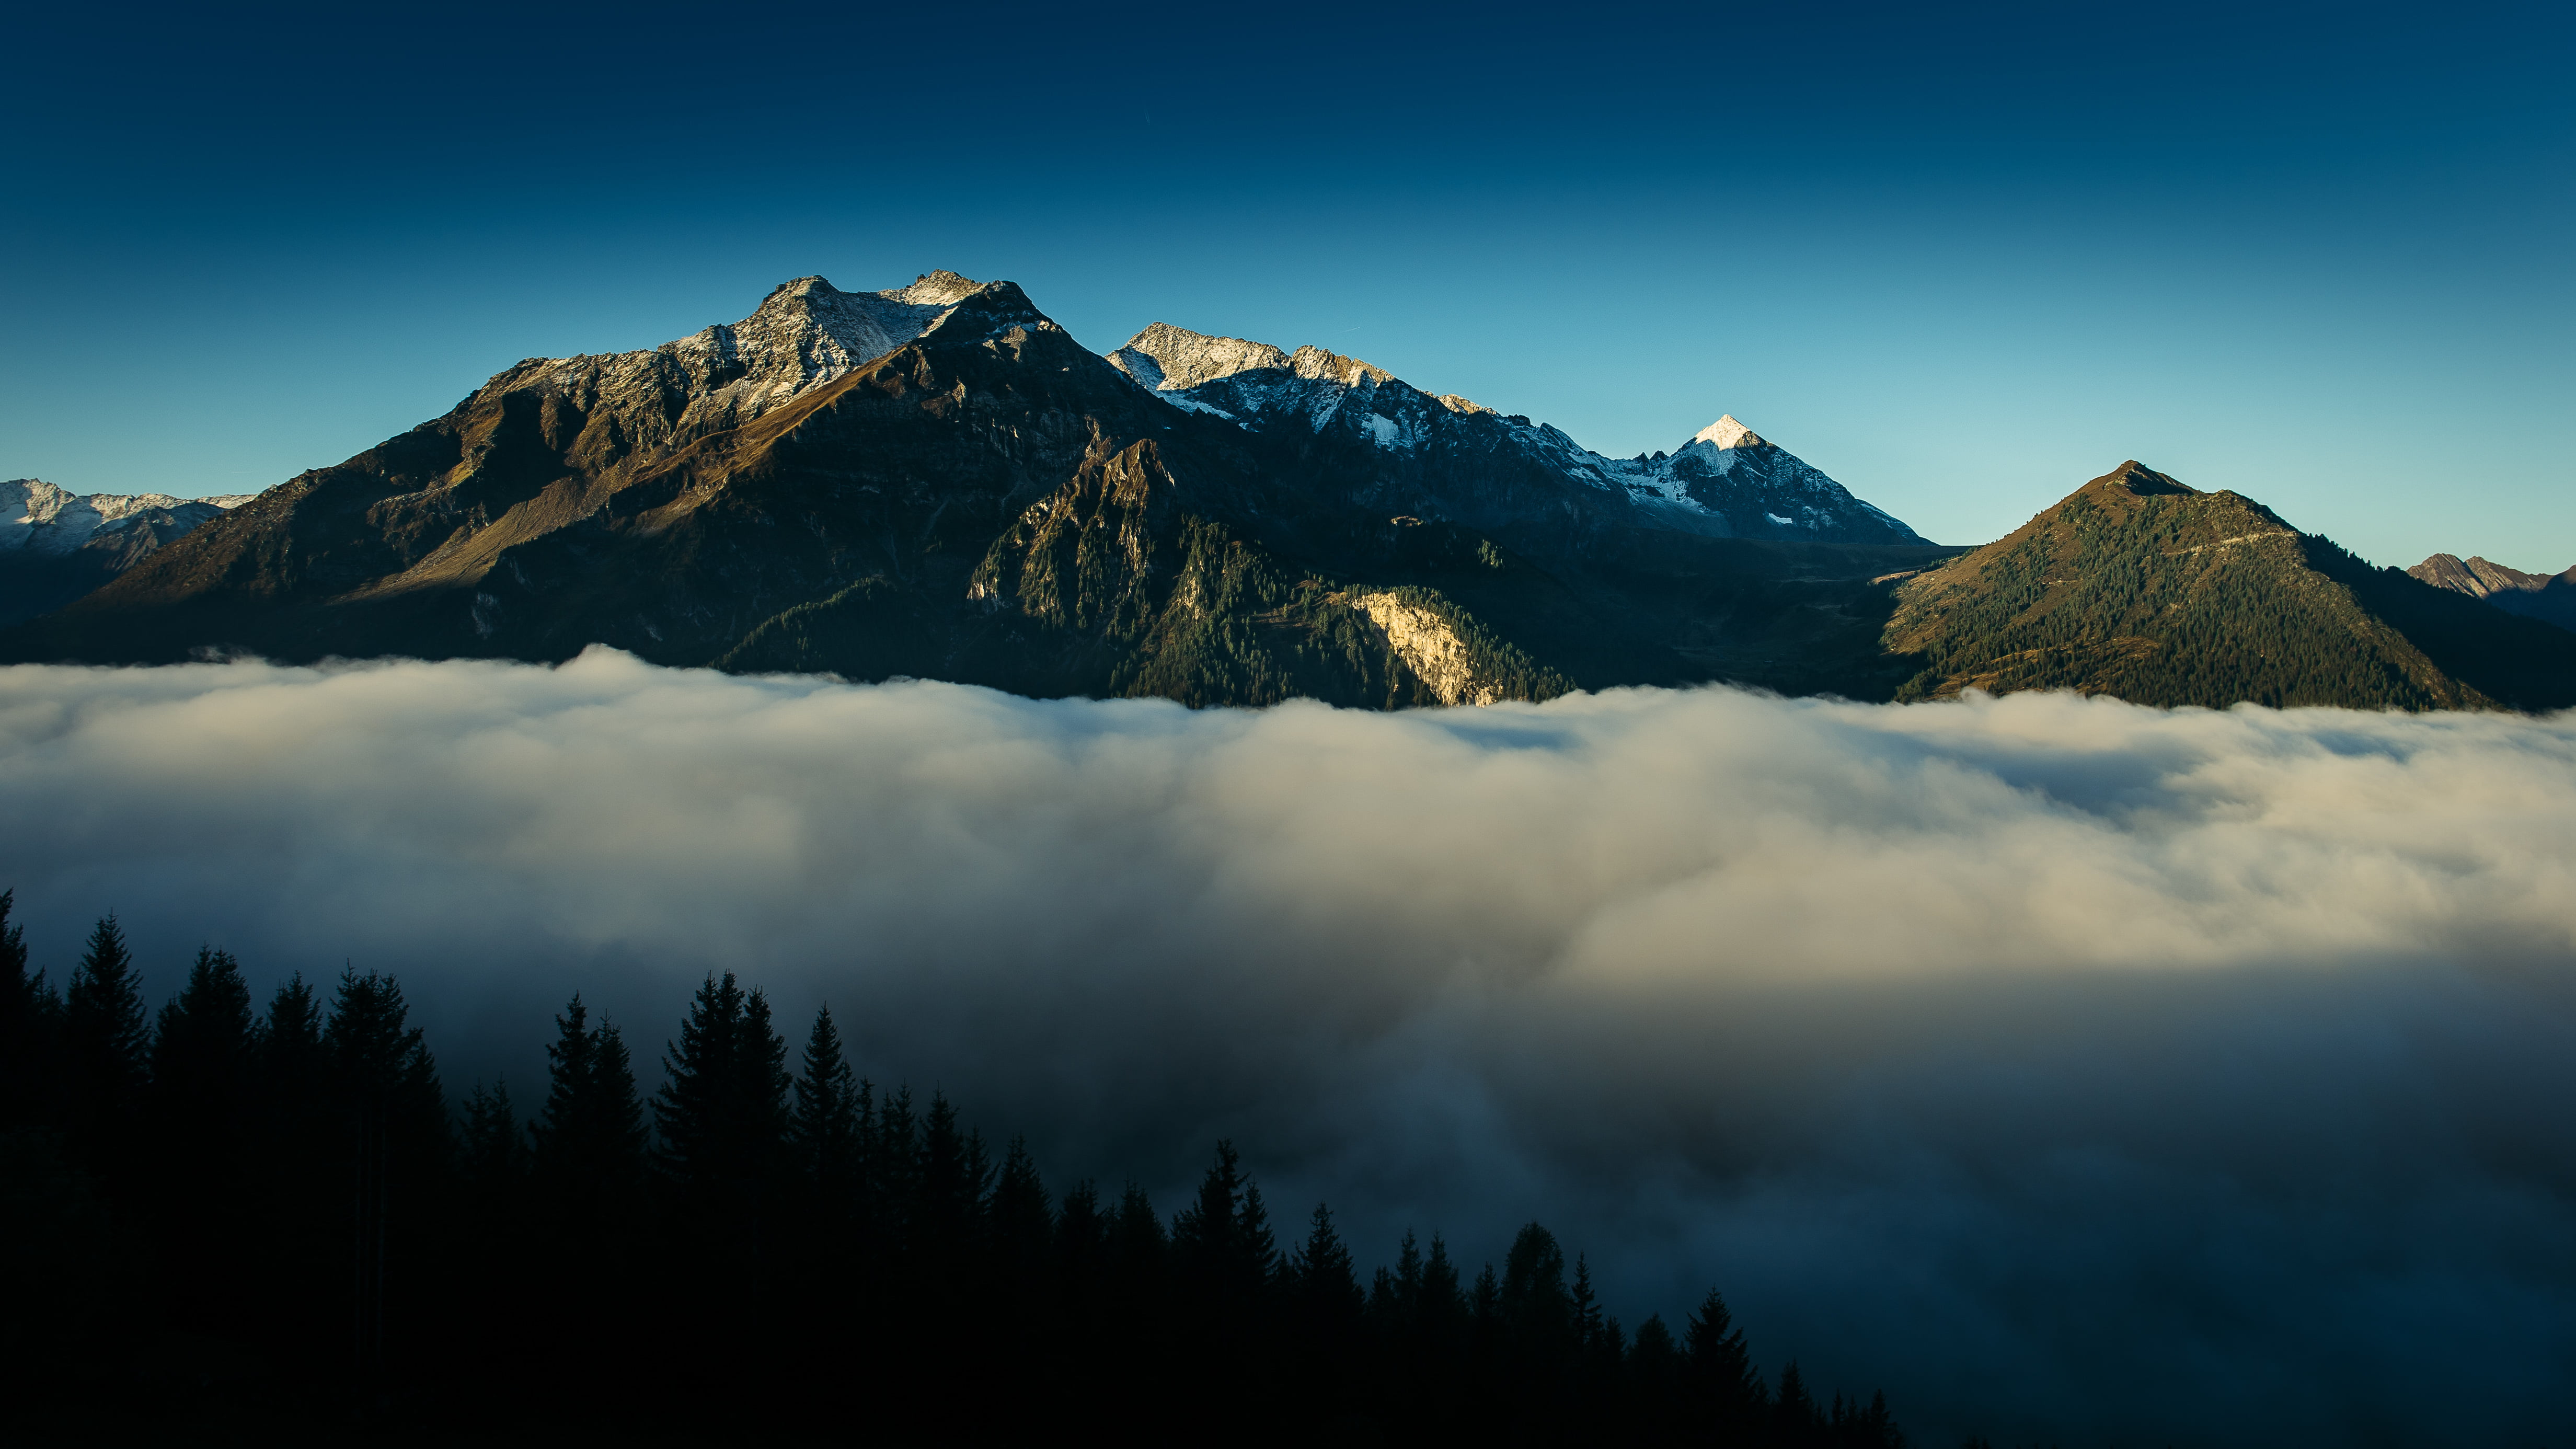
{"x": 219, "y": 1212}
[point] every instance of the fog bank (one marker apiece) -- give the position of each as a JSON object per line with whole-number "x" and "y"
{"x": 2066, "y": 1068}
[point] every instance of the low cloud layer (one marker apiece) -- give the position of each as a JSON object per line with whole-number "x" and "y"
{"x": 2063, "y": 1067}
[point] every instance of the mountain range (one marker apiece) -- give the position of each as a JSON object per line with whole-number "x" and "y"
{"x": 56, "y": 545}
{"x": 937, "y": 481}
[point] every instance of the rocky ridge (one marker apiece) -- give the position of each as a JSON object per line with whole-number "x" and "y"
{"x": 2550, "y": 598}
{"x": 1726, "y": 481}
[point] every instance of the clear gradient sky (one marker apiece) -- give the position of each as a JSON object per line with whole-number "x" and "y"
{"x": 1962, "y": 259}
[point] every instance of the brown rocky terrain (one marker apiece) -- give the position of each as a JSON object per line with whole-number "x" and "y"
{"x": 936, "y": 480}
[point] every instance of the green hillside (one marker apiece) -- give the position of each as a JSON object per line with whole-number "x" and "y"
{"x": 2141, "y": 587}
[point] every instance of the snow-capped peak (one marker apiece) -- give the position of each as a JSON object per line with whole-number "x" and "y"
{"x": 1726, "y": 432}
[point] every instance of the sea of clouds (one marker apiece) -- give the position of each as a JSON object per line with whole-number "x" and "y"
{"x": 2066, "y": 1068}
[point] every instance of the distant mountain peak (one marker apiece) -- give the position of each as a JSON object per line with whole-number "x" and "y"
{"x": 41, "y": 516}
{"x": 1726, "y": 432}
{"x": 2137, "y": 479}
{"x": 2550, "y": 598}
{"x": 2476, "y": 577}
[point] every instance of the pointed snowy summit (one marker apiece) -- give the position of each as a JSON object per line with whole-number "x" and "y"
{"x": 1726, "y": 432}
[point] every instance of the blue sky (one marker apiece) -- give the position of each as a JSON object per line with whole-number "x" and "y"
{"x": 1961, "y": 259}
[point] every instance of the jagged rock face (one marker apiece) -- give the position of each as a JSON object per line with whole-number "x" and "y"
{"x": 2550, "y": 598}
{"x": 2139, "y": 586}
{"x": 1462, "y": 461}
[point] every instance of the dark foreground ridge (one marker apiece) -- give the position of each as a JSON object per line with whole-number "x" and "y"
{"x": 228, "y": 1225}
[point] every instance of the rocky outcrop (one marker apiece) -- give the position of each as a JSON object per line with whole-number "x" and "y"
{"x": 1428, "y": 645}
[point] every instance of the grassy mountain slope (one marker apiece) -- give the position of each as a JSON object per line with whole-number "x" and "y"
{"x": 2141, "y": 587}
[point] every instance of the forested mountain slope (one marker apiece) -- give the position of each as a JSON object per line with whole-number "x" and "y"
{"x": 2139, "y": 586}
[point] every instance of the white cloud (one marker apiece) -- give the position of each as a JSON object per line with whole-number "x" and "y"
{"x": 2058, "y": 1064}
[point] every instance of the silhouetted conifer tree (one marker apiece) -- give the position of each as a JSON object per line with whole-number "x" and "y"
{"x": 1537, "y": 1311}
{"x": 1598, "y": 1348}
{"x": 493, "y": 1155}
{"x": 1020, "y": 1286}
{"x": 501, "y": 1268}
{"x": 1136, "y": 1243}
{"x": 831, "y": 1136}
{"x": 30, "y": 1024}
{"x": 1795, "y": 1421}
{"x": 201, "y": 1051}
{"x": 1585, "y": 1303}
{"x": 386, "y": 1085}
{"x": 1136, "y": 1298}
{"x": 1326, "y": 1308}
{"x": 201, "y": 1111}
{"x": 1223, "y": 1238}
{"x": 722, "y": 1112}
{"x": 1853, "y": 1425}
{"x": 1726, "y": 1393}
{"x": 588, "y": 1159}
{"x": 104, "y": 1060}
{"x": 1441, "y": 1293}
{"x": 947, "y": 1227}
{"x": 1656, "y": 1390}
{"x": 1326, "y": 1281}
{"x": 1022, "y": 1224}
{"x": 1395, "y": 1296}
{"x": 377, "y": 1058}
{"x": 722, "y": 1119}
{"x": 300, "y": 1147}
{"x": 1081, "y": 1253}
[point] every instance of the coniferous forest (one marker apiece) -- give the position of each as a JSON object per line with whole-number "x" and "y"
{"x": 229, "y": 1218}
